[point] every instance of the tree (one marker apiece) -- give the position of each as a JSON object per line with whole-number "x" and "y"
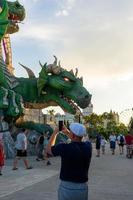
{"x": 51, "y": 113}
{"x": 95, "y": 124}
{"x": 104, "y": 124}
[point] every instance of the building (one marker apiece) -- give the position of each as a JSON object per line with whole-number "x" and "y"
{"x": 35, "y": 115}
{"x": 67, "y": 118}
{"x": 111, "y": 116}
{"x": 88, "y": 111}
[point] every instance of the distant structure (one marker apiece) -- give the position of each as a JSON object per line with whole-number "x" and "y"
{"x": 88, "y": 111}
{"x": 114, "y": 116}
{"x": 34, "y": 115}
{"x": 67, "y": 118}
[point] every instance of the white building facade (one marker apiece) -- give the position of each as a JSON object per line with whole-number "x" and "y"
{"x": 88, "y": 111}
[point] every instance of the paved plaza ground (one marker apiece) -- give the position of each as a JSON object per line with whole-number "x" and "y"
{"x": 110, "y": 178}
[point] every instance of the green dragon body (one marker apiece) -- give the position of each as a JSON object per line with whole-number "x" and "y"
{"x": 55, "y": 86}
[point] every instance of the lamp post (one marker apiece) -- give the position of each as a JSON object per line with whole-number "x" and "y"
{"x": 79, "y": 118}
{"x": 39, "y": 116}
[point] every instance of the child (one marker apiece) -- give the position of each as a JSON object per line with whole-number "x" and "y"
{"x": 2, "y": 156}
{"x": 103, "y": 142}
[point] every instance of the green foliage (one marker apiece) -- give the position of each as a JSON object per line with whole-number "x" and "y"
{"x": 51, "y": 113}
{"x": 93, "y": 120}
{"x": 104, "y": 124}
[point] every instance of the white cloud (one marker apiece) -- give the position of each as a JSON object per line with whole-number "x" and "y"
{"x": 30, "y": 1}
{"x": 40, "y": 32}
{"x": 65, "y": 7}
{"x": 62, "y": 13}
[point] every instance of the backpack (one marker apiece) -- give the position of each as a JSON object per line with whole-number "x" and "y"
{"x": 121, "y": 139}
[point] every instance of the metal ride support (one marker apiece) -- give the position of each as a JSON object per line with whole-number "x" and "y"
{"x": 8, "y": 53}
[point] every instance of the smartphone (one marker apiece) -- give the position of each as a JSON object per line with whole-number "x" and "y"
{"x": 60, "y": 125}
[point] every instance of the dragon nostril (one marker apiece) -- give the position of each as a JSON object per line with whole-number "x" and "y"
{"x": 87, "y": 96}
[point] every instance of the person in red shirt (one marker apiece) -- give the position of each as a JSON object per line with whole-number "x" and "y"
{"x": 129, "y": 144}
{"x": 2, "y": 156}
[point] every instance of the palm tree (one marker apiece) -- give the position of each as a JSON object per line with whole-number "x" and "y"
{"x": 51, "y": 113}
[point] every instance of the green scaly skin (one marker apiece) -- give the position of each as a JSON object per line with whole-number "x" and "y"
{"x": 11, "y": 13}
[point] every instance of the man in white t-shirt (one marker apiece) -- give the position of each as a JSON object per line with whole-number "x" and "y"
{"x": 21, "y": 147}
{"x": 121, "y": 142}
{"x": 112, "y": 139}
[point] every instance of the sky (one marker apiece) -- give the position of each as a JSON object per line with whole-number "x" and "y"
{"x": 95, "y": 36}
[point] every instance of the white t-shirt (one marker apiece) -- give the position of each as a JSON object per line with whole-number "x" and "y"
{"x": 103, "y": 142}
{"x": 112, "y": 138}
{"x": 21, "y": 143}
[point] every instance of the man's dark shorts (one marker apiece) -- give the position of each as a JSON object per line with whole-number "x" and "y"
{"x": 21, "y": 153}
{"x": 121, "y": 144}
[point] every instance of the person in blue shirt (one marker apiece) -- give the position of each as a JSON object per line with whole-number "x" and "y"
{"x": 75, "y": 162}
{"x": 98, "y": 144}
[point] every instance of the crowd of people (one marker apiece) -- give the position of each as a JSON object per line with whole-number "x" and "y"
{"x": 75, "y": 159}
{"x": 75, "y": 155}
{"x": 20, "y": 149}
{"x": 41, "y": 145}
{"x": 120, "y": 140}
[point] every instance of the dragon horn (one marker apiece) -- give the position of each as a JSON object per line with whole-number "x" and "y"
{"x": 29, "y": 71}
{"x": 71, "y": 71}
{"x": 76, "y": 73}
{"x": 59, "y": 64}
{"x": 40, "y": 64}
{"x": 81, "y": 79}
{"x": 55, "y": 62}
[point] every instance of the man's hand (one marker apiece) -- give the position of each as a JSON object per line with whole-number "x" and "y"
{"x": 56, "y": 131}
{"x": 67, "y": 132}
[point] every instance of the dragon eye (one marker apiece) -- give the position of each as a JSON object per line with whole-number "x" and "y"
{"x": 66, "y": 79}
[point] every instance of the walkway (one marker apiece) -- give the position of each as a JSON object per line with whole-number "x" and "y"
{"x": 111, "y": 178}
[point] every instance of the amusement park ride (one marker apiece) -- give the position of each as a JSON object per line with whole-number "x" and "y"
{"x": 6, "y": 43}
{"x": 126, "y": 115}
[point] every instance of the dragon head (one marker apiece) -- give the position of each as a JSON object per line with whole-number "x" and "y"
{"x": 63, "y": 88}
{"x": 11, "y": 13}
{"x": 16, "y": 14}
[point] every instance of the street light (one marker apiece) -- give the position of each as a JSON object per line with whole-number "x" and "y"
{"x": 79, "y": 118}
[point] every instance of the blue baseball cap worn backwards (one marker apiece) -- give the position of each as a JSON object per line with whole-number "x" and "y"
{"x": 78, "y": 129}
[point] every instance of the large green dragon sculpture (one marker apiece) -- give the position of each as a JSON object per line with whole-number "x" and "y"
{"x": 55, "y": 86}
